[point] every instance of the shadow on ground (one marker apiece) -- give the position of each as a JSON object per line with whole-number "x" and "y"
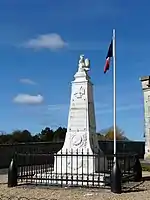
{"x": 138, "y": 187}
{"x": 3, "y": 171}
{"x": 146, "y": 178}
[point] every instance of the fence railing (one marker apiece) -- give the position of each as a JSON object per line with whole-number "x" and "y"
{"x": 79, "y": 168}
{"x": 7, "y": 150}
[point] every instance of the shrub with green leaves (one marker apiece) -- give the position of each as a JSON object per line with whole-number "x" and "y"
{"x": 145, "y": 167}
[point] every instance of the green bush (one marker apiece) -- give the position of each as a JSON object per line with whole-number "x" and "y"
{"x": 145, "y": 167}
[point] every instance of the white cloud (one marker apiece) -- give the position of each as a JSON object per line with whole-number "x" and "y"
{"x": 129, "y": 107}
{"x": 28, "y": 99}
{"x": 58, "y": 107}
{"x": 50, "y": 41}
{"x": 87, "y": 45}
{"x": 120, "y": 109}
{"x": 27, "y": 81}
{"x": 99, "y": 108}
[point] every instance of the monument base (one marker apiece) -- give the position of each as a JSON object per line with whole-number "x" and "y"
{"x": 81, "y": 161}
{"x": 147, "y": 156}
{"x": 81, "y": 168}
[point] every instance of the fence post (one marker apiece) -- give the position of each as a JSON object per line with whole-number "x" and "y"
{"x": 116, "y": 178}
{"x": 137, "y": 170}
{"x": 12, "y": 173}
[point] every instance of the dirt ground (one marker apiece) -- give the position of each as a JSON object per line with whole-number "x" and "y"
{"x": 138, "y": 192}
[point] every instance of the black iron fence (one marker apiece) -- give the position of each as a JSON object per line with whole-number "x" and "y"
{"x": 8, "y": 150}
{"x": 79, "y": 168}
{"x": 127, "y": 147}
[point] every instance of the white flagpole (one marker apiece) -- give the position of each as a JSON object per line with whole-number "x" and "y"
{"x": 114, "y": 89}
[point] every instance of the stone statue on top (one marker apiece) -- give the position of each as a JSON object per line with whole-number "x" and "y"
{"x": 84, "y": 64}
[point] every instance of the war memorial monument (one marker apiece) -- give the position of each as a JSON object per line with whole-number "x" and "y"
{"x": 81, "y": 132}
{"x": 80, "y": 162}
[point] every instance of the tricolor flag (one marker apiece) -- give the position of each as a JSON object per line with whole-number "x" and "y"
{"x": 108, "y": 58}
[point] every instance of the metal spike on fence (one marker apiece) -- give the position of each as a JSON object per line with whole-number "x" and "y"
{"x": 12, "y": 173}
{"x": 137, "y": 170}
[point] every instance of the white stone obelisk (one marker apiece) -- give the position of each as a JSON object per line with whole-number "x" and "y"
{"x": 145, "y": 80}
{"x": 81, "y": 130}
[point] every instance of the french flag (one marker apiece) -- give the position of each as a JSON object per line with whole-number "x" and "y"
{"x": 108, "y": 58}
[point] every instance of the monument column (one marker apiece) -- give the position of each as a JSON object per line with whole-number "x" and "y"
{"x": 81, "y": 129}
{"x": 145, "y": 80}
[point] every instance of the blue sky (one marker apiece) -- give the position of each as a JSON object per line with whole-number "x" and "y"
{"x": 40, "y": 43}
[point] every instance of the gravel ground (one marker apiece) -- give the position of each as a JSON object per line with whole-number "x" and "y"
{"x": 139, "y": 192}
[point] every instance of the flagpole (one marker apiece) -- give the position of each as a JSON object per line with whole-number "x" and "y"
{"x": 114, "y": 89}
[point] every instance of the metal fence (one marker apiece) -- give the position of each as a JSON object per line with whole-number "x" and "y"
{"x": 137, "y": 147}
{"x": 8, "y": 150}
{"x": 70, "y": 169}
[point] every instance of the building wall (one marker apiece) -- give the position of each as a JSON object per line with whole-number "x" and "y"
{"x": 146, "y": 93}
